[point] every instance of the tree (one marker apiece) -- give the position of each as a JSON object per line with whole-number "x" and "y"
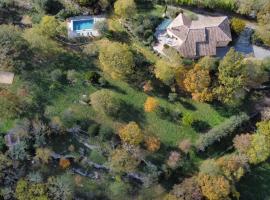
{"x": 18, "y": 151}
{"x": 60, "y": 188}
{"x": 259, "y": 149}
{"x": 165, "y": 72}
{"x": 152, "y": 143}
{"x": 264, "y": 25}
{"x": 30, "y": 191}
{"x": 231, "y": 79}
{"x": 116, "y": 60}
{"x": 64, "y": 163}
{"x": 131, "y": 133}
{"x": 242, "y": 142}
{"x": 214, "y": 187}
{"x": 13, "y": 48}
{"x": 255, "y": 72}
{"x": 198, "y": 82}
{"x": 105, "y": 102}
{"x": 208, "y": 63}
{"x": 49, "y": 26}
{"x": 5, "y": 165}
{"x": 233, "y": 166}
{"x": 125, "y": 8}
{"x": 187, "y": 190}
{"x": 122, "y": 161}
{"x": 263, "y": 128}
{"x": 210, "y": 167}
{"x": 237, "y": 25}
{"x": 185, "y": 145}
{"x": 174, "y": 159}
{"x": 43, "y": 155}
{"x": 150, "y": 104}
{"x": 11, "y": 105}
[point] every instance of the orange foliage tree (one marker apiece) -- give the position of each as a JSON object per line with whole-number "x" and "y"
{"x": 64, "y": 163}
{"x": 214, "y": 187}
{"x": 150, "y": 104}
{"x": 198, "y": 82}
{"x": 152, "y": 143}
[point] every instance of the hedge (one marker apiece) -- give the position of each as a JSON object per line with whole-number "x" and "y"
{"x": 221, "y": 131}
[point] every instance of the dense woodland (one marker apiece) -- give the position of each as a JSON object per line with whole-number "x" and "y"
{"x": 108, "y": 118}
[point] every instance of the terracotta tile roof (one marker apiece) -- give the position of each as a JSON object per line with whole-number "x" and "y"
{"x": 200, "y": 37}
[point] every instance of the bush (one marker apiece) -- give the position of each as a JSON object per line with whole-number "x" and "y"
{"x": 221, "y": 131}
{"x": 237, "y": 25}
{"x": 106, "y": 102}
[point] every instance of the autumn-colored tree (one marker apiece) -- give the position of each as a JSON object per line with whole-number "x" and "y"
{"x": 125, "y": 8}
{"x": 188, "y": 190}
{"x": 64, "y": 163}
{"x": 184, "y": 145}
{"x": 43, "y": 155}
{"x": 131, "y": 133}
{"x": 174, "y": 159}
{"x": 214, "y": 187}
{"x": 197, "y": 82}
{"x": 259, "y": 149}
{"x": 152, "y": 143}
{"x": 233, "y": 166}
{"x": 122, "y": 161}
{"x": 242, "y": 142}
{"x": 208, "y": 63}
{"x": 116, "y": 60}
{"x": 150, "y": 104}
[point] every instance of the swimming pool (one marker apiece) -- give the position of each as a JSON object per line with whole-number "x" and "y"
{"x": 83, "y": 24}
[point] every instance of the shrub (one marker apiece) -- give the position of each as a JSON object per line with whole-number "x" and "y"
{"x": 221, "y": 131}
{"x": 106, "y": 102}
{"x": 237, "y": 25}
{"x": 64, "y": 163}
{"x": 92, "y": 77}
{"x": 152, "y": 143}
{"x": 150, "y": 104}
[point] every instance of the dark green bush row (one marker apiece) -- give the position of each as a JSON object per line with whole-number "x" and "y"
{"x": 221, "y": 131}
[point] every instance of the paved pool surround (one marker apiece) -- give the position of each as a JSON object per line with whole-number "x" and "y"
{"x": 83, "y": 26}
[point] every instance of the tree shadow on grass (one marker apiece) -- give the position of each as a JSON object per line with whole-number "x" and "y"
{"x": 130, "y": 113}
{"x": 187, "y": 105}
{"x": 115, "y": 89}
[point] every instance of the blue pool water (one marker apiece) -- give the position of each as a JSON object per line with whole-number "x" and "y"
{"x": 164, "y": 24}
{"x": 83, "y": 24}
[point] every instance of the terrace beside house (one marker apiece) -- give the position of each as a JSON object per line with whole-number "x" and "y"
{"x": 83, "y": 26}
{"x": 194, "y": 38}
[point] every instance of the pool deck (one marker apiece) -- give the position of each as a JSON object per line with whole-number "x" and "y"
{"x": 86, "y": 32}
